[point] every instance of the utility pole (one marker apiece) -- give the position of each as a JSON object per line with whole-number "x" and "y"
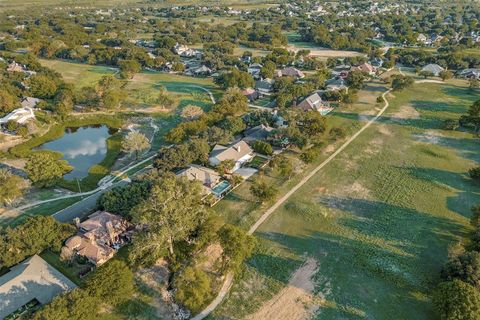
{"x": 78, "y": 184}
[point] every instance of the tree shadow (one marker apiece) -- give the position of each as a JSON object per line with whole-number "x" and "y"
{"x": 466, "y": 148}
{"x": 438, "y": 106}
{"x": 467, "y": 194}
{"x": 468, "y": 94}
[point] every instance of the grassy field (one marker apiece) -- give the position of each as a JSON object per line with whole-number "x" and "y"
{"x": 380, "y": 217}
{"x": 143, "y": 89}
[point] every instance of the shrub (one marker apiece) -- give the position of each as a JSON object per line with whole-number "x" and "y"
{"x": 309, "y": 155}
{"x": 194, "y": 289}
{"x": 263, "y": 147}
{"x": 474, "y": 173}
{"x": 450, "y": 124}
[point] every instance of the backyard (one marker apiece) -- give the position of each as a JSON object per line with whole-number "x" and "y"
{"x": 377, "y": 221}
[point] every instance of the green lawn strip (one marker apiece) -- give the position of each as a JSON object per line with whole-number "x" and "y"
{"x": 70, "y": 271}
{"x": 44, "y": 209}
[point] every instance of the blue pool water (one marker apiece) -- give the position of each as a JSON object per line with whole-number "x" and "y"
{"x": 220, "y": 188}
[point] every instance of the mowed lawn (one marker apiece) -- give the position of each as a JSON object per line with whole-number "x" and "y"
{"x": 380, "y": 217}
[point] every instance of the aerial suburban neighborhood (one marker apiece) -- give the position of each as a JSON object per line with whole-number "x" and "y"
{"x": 284, "y": 160}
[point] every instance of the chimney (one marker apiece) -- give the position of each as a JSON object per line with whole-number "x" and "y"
{"x": 237, "y": 148}
{"x": 76, "y": 221}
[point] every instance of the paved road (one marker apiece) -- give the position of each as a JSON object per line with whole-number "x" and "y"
{"x": 83, "y": 207}
{"x": 229, "y": 277}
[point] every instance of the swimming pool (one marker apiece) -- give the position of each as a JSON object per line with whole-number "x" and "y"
{"x": 220, "y": 189}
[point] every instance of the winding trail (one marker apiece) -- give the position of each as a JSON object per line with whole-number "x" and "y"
{"x": 229, "y": 277}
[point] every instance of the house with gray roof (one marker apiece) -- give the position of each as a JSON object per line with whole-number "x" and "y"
{"x": 207, "y": 177}
{"x": 434, "y": 68}
{"x": 260, "y": 132}
{"x": 314, "y": 102}
{"x": 239, "y": 153}
{"x": 265, "y": 86}
{"x": 31, "y": 280}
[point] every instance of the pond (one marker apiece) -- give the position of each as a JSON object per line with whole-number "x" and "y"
{"x": 82, "y": 147}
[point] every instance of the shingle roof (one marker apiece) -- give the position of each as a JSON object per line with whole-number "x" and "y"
{"x": 235, "y": 152}
{"x": 31, "y": 279}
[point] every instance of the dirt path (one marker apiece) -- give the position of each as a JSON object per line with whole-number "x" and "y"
{"x": 229, "y": 277}
{"x": 294, "y": 302}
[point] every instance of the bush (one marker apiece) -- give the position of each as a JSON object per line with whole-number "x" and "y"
{"x": 309, "y": 155}
{"x": 193, "y": 289}
{"x": 457, "y": 300}
{"x": 380, "y": 99}
{"x": 337, "y": 133}
{"x": 263, "y": 147}
{"x": 450, "y": 124}
{"x": 120, "y": 200}
{"x": 474, "y": 173}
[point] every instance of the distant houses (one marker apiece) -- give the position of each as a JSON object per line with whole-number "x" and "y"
{"x": 239, "y": 153}
{"x": 433, "y": 68}
{"x": 314, "y": 102}
{"x": 265, "y": 86}
{"x": 30, "y": 283}
{"x": 290, "y": 72}
{"x": 470, "y": 73}
{"x": 98, "y": 237}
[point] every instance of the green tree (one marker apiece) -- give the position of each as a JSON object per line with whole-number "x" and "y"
{"x": 426, "y": 74}
{"x": 12, "y": 187}
{"x": 457, "y": 300}
{"x": 32, "y": 237}
{"x": 193, "y": 289}
{"x": 263, "y": 147}
{"x": 400, "y": 82}
{"x": 135, "y": 142}
{"x": 112, "y": 283}
{"x": 128, "y": 68}
{"x": 8, "y": 101}
{"x": 465, "y": 267}
{"x": 355, "y": 79}
{"x": 42, "y": 86}
{"x": 446, "y": 74}
{"x": 226, "y": 166}
{"x": 172, "y": 211}
{"x": 237, "y": 246}
{"x": 262, "y": 190}
{"x": 268, "y": 70}
{"x": 122, "y": 199}
{"x": 475, "y": 219}
{"x": 473, "y": 116}
{"x": 235, "y": 78}
{"x": 44, "y": 170}
{"x": 475, "y": 173}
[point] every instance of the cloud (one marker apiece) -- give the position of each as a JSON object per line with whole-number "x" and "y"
{"x": 87, "y": 148}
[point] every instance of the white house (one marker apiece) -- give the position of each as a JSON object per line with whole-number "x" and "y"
{"x": 435, "y": 69}
{"x": 239, "y": 152}
{"x": 20, "y": 115}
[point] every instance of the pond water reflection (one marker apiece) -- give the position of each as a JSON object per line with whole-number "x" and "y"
{"x": 82, "y": 147}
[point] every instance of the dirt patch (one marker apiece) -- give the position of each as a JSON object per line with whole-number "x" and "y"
{"x": 429, "y": 136}
{"x": 210, "y": 257}
{"x": 383, "y": 129}
{"x": 357, "y": 190}
{"x": 296, "y": 301}
{"x": 406, "y": 112}
{"x": 330, "y": 148}
{"x": 156, "y": 280}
